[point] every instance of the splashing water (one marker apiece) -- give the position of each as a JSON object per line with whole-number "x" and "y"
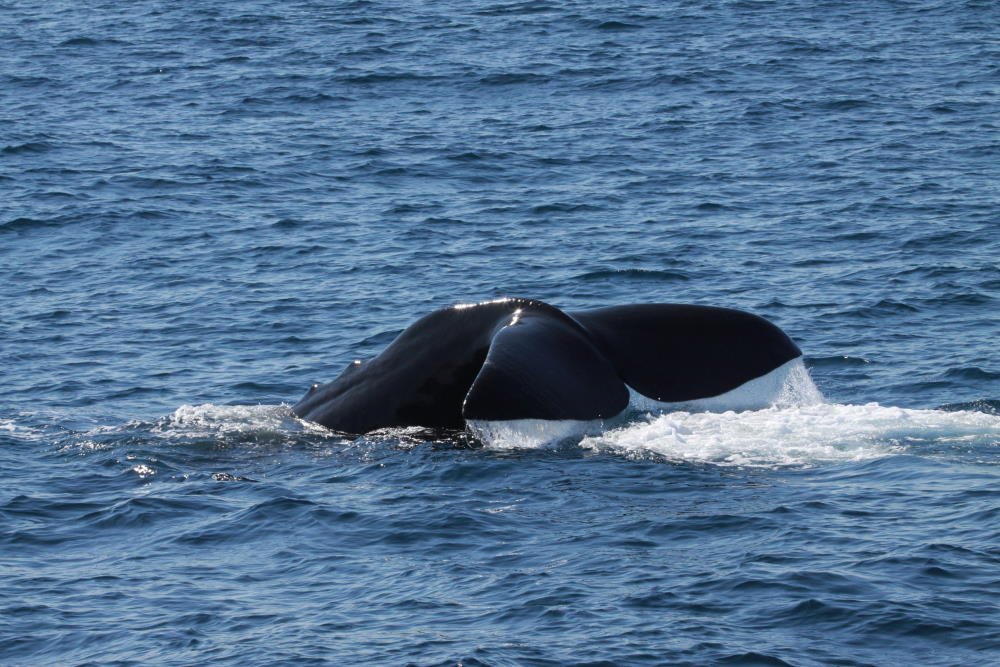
{"x": 187, "y": 420}
{"x": 531, "y": 433}
{"x": 794, "y": 436}
{"x": 794, "y": 426}
{"x": 780, "y": 419}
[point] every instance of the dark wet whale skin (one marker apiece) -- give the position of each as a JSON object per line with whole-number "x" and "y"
{"x": 520, "y": 358}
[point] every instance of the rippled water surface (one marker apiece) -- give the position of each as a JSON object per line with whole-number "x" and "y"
{"x": 207, "y": 208}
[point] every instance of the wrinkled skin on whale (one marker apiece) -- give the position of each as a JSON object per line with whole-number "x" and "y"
{"x": 524, "y": 359}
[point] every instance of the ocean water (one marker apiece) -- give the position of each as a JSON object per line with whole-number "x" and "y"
{"x": 208, "y": 207}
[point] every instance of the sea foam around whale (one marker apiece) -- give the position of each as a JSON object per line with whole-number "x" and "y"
{"x": 792, "y": 425}
{"x": 802, "y": 435}
{"x": 795, "y": 426}
{"x": 777, "y": 436}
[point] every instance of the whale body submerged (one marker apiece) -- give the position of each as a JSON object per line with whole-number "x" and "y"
{"x": 514, "y": 358}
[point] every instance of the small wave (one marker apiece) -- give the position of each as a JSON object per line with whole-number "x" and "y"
{"x": 985, "y": 150}
{"x": 21, "y": 431}
{"x": 478, "y": 156}
{"x": 616, "y": 26}
{"x": 859, "y": 236}
{"x": 18, "y": 224}
{"x": 30, "y": 147}
{"x": 79, "y": 41}
{"x": 989, "y": 406}
{"x": 971, "y": 373}
{"x": 635, "y": 274}
{"x": 25, "y": 80}
{"x": 844, "y": 105}
{"x": 516, "y": 8}
{"x": 960, "y": 299}
{"x": 883, "y": 308}
{"x": 563, "y": 207}
{"x": 838, "y": 361}
{"x": 313, "y": 97}
{"x": 936, "y": 240}
{"x": 711, "y": 207}
{"x": 512, "y": 78}
{"x": 387, "y": 77}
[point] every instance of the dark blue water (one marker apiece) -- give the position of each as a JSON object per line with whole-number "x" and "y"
{"x": 208, "y": 207}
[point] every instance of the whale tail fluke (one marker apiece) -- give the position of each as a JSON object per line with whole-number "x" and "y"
{"x": 544, "y": 368}
{"x": 516, "y": 359}
{"x": 671, "y": 352}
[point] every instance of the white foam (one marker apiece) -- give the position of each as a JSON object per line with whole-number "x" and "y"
{"x": 776, "y": 420}
{"x": 793, "y": 436}
{"x": 14, "y": 428}
{"x": 21, "y": 431}
{"x": 213, "y": 420}
{"x": 788, "y": 385}
{"x": 530, "y": 433}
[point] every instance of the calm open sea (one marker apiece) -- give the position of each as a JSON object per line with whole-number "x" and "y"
{"x": 207, "y": 207}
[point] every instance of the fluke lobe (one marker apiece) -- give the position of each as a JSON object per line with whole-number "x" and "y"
{"x": 524, "y": 359}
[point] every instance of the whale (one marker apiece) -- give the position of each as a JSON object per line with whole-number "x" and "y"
{"x": 517, "y": 358}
